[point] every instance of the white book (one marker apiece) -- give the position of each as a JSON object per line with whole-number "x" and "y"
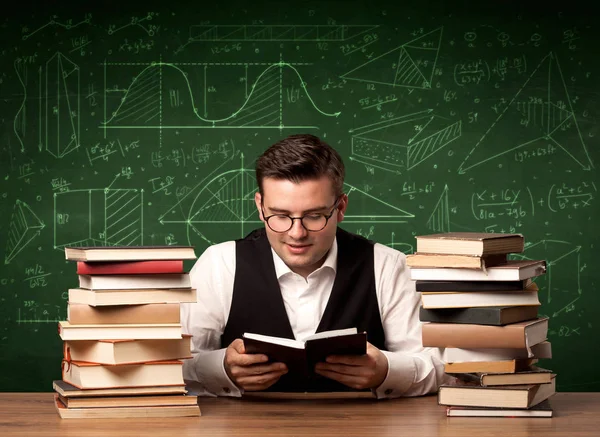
{"x": 112, "y": 282}
{"x": 474, "y": 299}
{"x": 118, "y": 332}
{"x": 92, "y": 375}
{"x": 511, "y": 271}
{"x": 541, "y": 350}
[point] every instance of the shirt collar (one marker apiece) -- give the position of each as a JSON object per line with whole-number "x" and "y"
{"x": 330, "y": 262}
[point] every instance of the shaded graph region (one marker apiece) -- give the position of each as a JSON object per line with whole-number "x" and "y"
{"x": 98, "y": 217}
{"x": 539, "y": 115}
{"x": 439, "y": 220}
{"x": 410, "y": 65}
{"x": 163, "y": 96}
{"x": 24, "y": 227}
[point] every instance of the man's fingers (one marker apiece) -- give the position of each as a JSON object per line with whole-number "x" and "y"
{"x": 247, "y": 359}
{"x": 257, "y": 369}
{"x": 352, "y": 381}
{"x": 342, "y": 369}
{"x": 260, "y": 382}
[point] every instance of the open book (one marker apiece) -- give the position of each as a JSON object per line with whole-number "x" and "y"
{"x": 301, "y": 355}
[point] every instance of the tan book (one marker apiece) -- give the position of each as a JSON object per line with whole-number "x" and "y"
{"x": 533, "y": 375}
{"x": 474, "y": 299}
{"x": 509, "y": 396}
{"x": 131, "y": 297}
{"x": 129, "y": 253}
{"x": 91, "y": 375}
{"x": 119, "y": 332}
{"x": 113, "y": 352}
{"x": 82, "y": 314}
{"x": 501, "y": 366}
{"x": 470, "y": 243}
{"x": 515, "y": 335}
{"x": 512, "y": 270}
{"x": 134, "y": 282}
{"x": 124, "y": 412}
{"x": 128, "y": 401}
{"x": 70, "y": 391}
{"x": 454, "y": 261}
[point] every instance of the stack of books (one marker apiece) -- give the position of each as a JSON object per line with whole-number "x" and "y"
{"x": 123, "y": 342}
{"x": 482, "y": 308}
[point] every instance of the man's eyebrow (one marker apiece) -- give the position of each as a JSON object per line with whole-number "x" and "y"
{"x": 308, "y": 211}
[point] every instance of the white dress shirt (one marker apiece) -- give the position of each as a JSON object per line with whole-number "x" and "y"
{"x": 412, "y": 369}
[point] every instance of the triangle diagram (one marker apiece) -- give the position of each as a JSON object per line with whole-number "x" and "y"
{"x": 540, "y": 114}
{"x": 23, "y": 228}
{"x": 371, "y": 209}
{"x": 439, "y": 221}
{"x": 228, "y": 198}
{"x": 410, "y": 65}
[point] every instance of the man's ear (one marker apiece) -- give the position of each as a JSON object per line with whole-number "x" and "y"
{"x": 258, "y": 201}
{"x": 342, "y": 207}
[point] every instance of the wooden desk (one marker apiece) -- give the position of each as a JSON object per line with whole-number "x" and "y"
{"x": 33, "y": 414}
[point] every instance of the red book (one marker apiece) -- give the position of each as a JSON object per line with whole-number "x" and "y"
{"x": 129, "y": 267}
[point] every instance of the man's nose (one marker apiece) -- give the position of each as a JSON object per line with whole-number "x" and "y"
{"x": 297, "y": 231}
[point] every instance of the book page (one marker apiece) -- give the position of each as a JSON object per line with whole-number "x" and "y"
{"x": 275, "y": 340}
{"x": 328, "y": 334}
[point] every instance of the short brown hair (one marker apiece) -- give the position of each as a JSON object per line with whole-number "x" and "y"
{"x": 301, "y": 157}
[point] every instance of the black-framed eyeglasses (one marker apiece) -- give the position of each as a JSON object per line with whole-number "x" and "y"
{"x": 312, "y": 222}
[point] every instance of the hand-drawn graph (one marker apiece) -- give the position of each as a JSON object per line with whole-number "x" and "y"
{"x": 62, "y": 105}
{"x": 410, "y": 65}
{"x": 99, "y": 217}
{"x": 404, "y": 142}
{"x": 23, "y": 228}
{"x": 147, "y": 101}
{"x": 277, "y": 32}
{"x": 225, "y": 200}
{"x": 540, "y": 112}
{"x": 439, "y": 220}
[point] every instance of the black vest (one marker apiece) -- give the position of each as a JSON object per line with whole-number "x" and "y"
{"x": 257, "y": 305}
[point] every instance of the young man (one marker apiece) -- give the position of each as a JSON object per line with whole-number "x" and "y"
{"x": 299, "y": 275}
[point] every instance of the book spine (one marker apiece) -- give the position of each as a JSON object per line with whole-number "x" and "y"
{"x": 129, "y": 268}
{"x": 80, "y": 314}
{"x": 478, "y": 316}
{"x": 471, "y": 336}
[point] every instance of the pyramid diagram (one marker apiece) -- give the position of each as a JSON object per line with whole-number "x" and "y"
{"x": 410, "y": 65}
{"x": 540, "y": 113}
{"x": 62, "y": 105}
{"x": 439, "y": 221}
{"x": 23, "y": 228}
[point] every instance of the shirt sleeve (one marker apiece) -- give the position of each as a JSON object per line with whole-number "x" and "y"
{"x": 413, "y": 370}
{"x": 205, "y": 319}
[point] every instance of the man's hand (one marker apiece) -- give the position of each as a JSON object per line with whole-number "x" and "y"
{"x": 358, "y": 372}
{"x": 250, "y": 371}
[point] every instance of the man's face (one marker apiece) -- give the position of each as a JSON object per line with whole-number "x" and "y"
{"x": 303, "y": 251}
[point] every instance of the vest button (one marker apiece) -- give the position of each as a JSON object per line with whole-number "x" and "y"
{"x": 226, "y": 389}
{"x": 389, "y": 391}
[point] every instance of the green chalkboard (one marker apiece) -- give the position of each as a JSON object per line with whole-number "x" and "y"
{"x": 142, "y": 126}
